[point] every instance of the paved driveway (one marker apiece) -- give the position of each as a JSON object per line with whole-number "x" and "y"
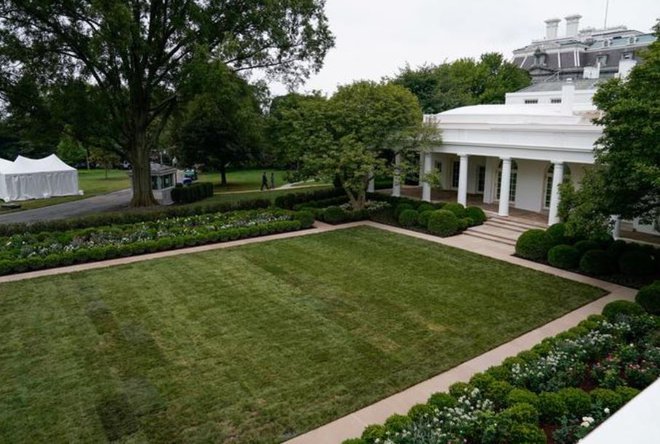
{"x": 95, "y": 204}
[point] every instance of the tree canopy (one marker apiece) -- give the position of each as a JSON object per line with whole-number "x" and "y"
{"x": 136, "y": 53}
{"x": 463, "y": 82}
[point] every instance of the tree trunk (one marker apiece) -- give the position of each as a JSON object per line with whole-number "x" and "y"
{"x": 141, "y": 178}
{"x": 223, "y": 174}
{"x": 106, "y": 171}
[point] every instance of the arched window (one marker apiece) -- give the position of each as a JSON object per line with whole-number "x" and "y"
{"x": 548, "y": 182}
{"x": 512, "y": 182}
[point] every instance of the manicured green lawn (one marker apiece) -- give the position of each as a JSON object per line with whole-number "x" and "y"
{"x": 92, "y": 182}
{"x": 243, "y": 179}
{"x": 256, "y": 343}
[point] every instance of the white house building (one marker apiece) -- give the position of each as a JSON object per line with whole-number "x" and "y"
{"x": 516, "y": 155}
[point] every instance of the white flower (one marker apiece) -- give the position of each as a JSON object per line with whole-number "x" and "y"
{"x": 585, "y": 424}
{"x": 607, "y": 411}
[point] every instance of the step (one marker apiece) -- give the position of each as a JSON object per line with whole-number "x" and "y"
{"x": 498, "y": 224}
{"x": 488, "y": 237}
{"x": 491, "y": 230}
{"x": 518, "y": 222}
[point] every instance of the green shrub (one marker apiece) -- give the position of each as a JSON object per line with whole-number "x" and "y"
{"x": 423, "y": 219}
{"x": 456, "y": 208}
{"x": 636, "y": 263}
{"x": 533, "y": 244}
{"x": 606, "y": 398}
{"x": 557, "y": 233}
{"x": 459, "y": 389}
{"x": 482, "y": 381}
{"x": 522, "y": 413}
{"x": 525, "y": 434}
{"x": 595, "y": 262}
{"x": 192, "y": 193}
{"x": 616, "y": 249}
{"x": 528, "y": 355}
{"x": 401, "y": 208}
{"x": 290, "y": 200}
{"x": 397, "y": 423}
{"x": 564, "y": 256}
{"x": 476, "y": 214}
{"x": 373, "y": 433}
{"x": 334, "y": 215}
{"x": 419, "y": 411}
{"x": 551, "y": 407}
{"x": 518, "y": 396}
{"x": 425, "y": 206}
{"x": 465, "y": 223}
{"x": 649, "y": 298}
{"x": 354, "y": 441}
{"x": 626, "y": 393}
{"x": 577, "y": 401}
{"x": 408, "y": 218}
{"x": 498, "y": 392}
{"x": 585, "y": 245}
{"x": 306, "y": 218}
{"x": 614, "y": 309}
{"x": 443, "y": 223}
{"x": 441, "y": 400}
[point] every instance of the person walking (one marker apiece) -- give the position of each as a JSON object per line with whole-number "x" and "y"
{"x": 264, "y": 181}
{"x": 272, "y": 180}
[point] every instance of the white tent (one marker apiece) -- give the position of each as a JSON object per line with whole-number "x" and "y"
{"x": 36, "y": 178}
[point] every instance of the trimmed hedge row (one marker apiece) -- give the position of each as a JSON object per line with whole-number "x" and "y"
{"x": 289, "y": 201}
{"x": 192, "y": 193}
{"x": 130, "y": 217}
{"x": 558, "y": 391}
{"x": 295, "y": 221}
{"x": 605, "y": 258}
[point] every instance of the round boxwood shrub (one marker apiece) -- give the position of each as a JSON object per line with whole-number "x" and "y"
{"x": 466, "y": 222}
{"x": 564, "y": 256}
{"x": 522, "y": 412}
{"x": 525, "y": 434}
{"x": 476, "y": 214}
{"x": 636, "y": 263}
{"x": 354, "y": 441}
{"x": 408, "y": 218}
{"x": 401, "y": 208}
{"x": 557, "y": 233}
{"x": 397, "y": 423}
{"x": 456, "y": 208}
{"x": 621, "y": 308}
{"x": 374, "y": 433}
{"x": 606, "y": 398}
{"x": 626, "y": 393}
{"x": 551, "y": 407}
{"x": 419, "y": 411}
{"x": 616, "y": 249}
{"x": 533, "y": 244}
{"x": 441, "y": 400}
{"x": 585, "y": 245}
{"x": 443, "y": 223}
{"x": 498, "y": 392}
{"x": 595, "y": 262}
{"x": 459, "y": 389}
{"x": 649, "y": 298}
{"x": 334, "y": 215}
{"x": 577, "y": 401}
{"x": 305, "y": 217}
{"x": 423, "y": 219}
{"x": 522, "y": 396}
{"x": 425, "y": 206}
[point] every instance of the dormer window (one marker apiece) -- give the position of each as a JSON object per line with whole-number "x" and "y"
{"x": 606, "y": 43}
{"x": 531, "y": 101}
{"x": 539, "y": 58}
{"x": 628, "y": 55}
{"x": 632, "y": 40}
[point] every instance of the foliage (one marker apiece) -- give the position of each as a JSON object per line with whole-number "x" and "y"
{"x": 136, "y": 54}
{"x": 70, "y": 151}
{"x": 408, "y": 218}
{"x": 456, "y": 208}
{"x": 585, "y": 245}
{"x": 423, "y": 219}
{"x": 564, "y": 256}
{"x": 595, "y": 262}
{"x": 476, "y": 214}
{"x": 649, "y": 298}
{"x": 558, "y": 234}
{"x": 192, "y": 193}
{"x": 533, "y": 244}
{"x": 443, "y": 223}
{"x": 289, "y": 200}
{"x": 614, "y": 310}
{"x": 637, "y": 263}
{"x": 462, "y": 82}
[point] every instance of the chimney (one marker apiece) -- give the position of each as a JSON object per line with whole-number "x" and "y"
{"x": 567, "y": 97}
{"x": 572, "y": 24}
{"x": 551, "y": 26}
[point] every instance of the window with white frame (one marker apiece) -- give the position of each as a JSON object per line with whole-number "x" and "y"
{"x": 455, "y": 172}
{"x": 512, "y": 182}
{"x": 531, "y": 101}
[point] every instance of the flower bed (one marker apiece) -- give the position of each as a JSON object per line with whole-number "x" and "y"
{"x": 625, "y": 263}
{"x": 557, "y": 392}
{"x": 33, "y": 251}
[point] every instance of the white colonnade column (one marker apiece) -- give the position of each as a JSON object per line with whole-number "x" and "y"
{"x": 426, "y": 187}
{"x": 396, "y": 182}
{"x": 505, "y": 187}
{"x": 462, "y": 179}
{"x": 557, "y": 179}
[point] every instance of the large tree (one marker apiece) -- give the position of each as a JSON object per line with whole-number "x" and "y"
{"x": 221, "y": 120}
{"x": 626, "y": 177}
{"x": 136, "y": 51}
{"x": 354, "y": 134}
{"x": 463, "y": 82}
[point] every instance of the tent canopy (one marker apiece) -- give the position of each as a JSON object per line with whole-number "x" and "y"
{"x": 27, "y": 178}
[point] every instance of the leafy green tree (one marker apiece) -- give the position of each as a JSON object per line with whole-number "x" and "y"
{"x": 136, "y": 51}
{"x": 626, "y": 177}
{"x": 70, "y": 150}
{"x": 222, "y": 123}
{"x": 104, "y": 157}
{"x": 357, "y": 131}
{"x": 463, "y": 82}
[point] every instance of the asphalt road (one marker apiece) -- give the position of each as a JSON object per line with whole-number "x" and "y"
{"x": 104, "y": 202}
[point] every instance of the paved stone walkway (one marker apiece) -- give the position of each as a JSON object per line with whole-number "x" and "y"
{"x": 352, "y": 425}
